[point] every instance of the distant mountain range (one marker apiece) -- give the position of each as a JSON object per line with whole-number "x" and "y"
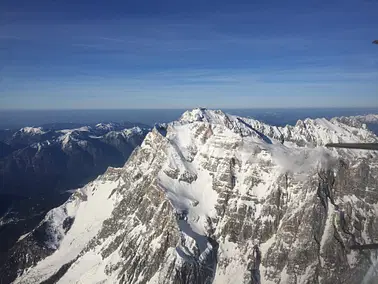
{"x": 38, "y": 165}
{"x": 239, "y": 180}
{"x": 35, "y": 160}
{"x": 200, "y": 194}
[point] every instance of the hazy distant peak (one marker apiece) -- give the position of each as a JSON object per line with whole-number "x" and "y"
{"x": 32, "y": 130}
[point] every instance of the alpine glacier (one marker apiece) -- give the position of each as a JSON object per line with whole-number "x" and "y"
{"x": 200, "y": 193}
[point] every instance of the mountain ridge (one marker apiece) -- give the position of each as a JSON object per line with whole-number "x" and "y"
{"x": 237, "y": 181}
{"x": 40, "y": 165}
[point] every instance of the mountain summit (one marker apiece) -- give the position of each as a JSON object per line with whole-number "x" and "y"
{"x": 204, "y": 197}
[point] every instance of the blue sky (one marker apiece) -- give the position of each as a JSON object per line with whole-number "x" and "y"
{"x": 182, "y": 54}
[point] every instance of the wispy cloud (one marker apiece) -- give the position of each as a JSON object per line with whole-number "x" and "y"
{"x": 242, "y": 57}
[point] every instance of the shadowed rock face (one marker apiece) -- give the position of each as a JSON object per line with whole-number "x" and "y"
{"x": 282, "y": 198}
{"x": 59, "y": 160}
{"x": 39, "y": 166}
{"x": 5, "y": 149}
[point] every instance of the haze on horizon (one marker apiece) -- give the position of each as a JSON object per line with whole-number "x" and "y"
{"x": 176, "y": 54}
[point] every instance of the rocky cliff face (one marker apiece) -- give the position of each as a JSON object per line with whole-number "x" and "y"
{"x": 192, "y": 202}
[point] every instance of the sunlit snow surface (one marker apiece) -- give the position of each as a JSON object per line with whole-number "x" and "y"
{"x": 192, "y": 146}
{"x": 90, "y": 206}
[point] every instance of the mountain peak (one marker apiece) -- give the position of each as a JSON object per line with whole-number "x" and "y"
{"x": 32, "y": 130}
{"x": 203, "y": 114}
{"x": 212, "y": 180}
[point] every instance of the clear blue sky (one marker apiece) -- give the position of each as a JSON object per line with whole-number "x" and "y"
{"x": 182, "y": 54}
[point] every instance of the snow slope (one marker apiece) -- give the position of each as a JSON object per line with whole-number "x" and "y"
{"x": 88, "y": 207}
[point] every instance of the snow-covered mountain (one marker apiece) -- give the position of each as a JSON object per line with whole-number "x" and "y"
{"x": 39, "y": 154}
{"x": 370, "y": 120}
{"x": 200, "y": 193}
{"x": 39, "y": 165}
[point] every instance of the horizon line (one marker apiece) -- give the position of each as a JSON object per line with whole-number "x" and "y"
{"x": 189, "y": 108}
